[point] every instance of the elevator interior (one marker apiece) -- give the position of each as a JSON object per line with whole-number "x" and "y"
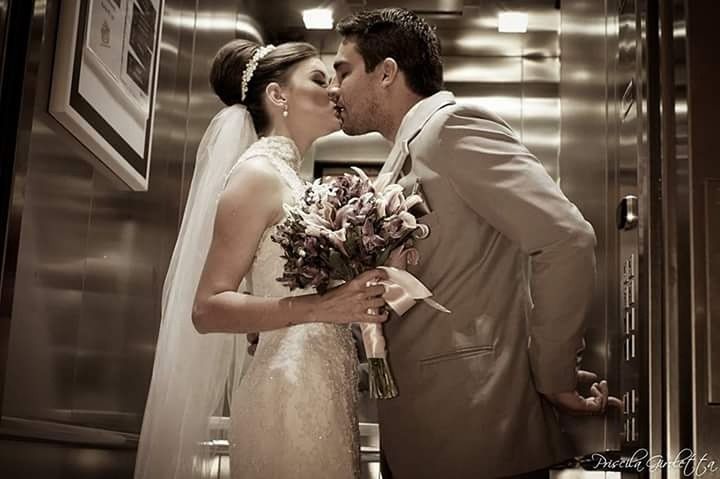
{"x": 598, "y": 90}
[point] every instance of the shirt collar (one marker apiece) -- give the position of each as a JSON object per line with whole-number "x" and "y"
{"x": 416, "y": 117}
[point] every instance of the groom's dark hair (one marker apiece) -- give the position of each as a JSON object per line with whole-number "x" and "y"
{"x": 403, "y": 36}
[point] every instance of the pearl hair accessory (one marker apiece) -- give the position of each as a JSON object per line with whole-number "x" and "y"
{"x": 251, "y": 66}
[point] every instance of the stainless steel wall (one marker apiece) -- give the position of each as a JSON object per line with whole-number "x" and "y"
{"x": 91, "y": 260}
{"x": 588, "y": 175}
{"x": 703, "y": 74}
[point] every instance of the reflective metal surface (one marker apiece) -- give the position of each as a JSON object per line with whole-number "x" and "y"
{"x": 89, "y": 259}
{"x": 703, "y": 75}
{"x": 15, "y": 21}
{"x": 589, "y": 177}
{"x": 676, "y": 234}
{"x": 85, "y": 260}
{"x": 20, "y": 459}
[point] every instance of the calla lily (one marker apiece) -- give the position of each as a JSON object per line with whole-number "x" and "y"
{"x": 380, "y": 207}
{"x": 411, "y": 201}
{"x": 344, "y": 215}
{"x": 422, "y": 231}
{"x": 408, "y": 220}
{"x": 338, "y": 238}
{"x": 315, "y": 220}
{"x": 360, "y": 173}
{"x": 393, "y": 196}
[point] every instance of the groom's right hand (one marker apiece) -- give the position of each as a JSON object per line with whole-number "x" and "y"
{"x": 573, "y": 403}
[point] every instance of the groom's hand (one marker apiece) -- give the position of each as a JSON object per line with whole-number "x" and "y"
{"x": 572, "y": 402}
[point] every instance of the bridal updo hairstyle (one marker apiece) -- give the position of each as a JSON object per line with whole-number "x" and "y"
{"x": 230, "y": 62}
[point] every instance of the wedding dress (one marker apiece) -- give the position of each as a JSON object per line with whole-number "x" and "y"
{"x": 293, "y": 415}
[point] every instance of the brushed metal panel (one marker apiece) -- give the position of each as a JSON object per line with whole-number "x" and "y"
{"x": 541, "y": 110}
{"x": 91, "y": 259}
{"x": 20, "y": 459}
{"x": 491, "y": 82}
{"x": 15, "y": 125}
{"x": 424, "y": 6}
{"x": 712, "y": 259}
{"x": 48, "y": 277}
{"x": 697, "y": 20}
{"x": 586, "y": 175}
{"x": 203, "y": 104}
{"x": 479, "y": 69}
{"x": 676, "y": 213}
{"x": 472, "y": 32}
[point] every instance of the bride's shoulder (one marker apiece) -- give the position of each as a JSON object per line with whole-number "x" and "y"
{"x": 254, "y": 172}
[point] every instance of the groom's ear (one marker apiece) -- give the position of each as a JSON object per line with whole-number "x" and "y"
{"x": 389, "y": 71}
{"x": 275, "y": 94}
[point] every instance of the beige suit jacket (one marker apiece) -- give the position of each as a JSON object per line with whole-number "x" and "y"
{"x": 503, "y": 236}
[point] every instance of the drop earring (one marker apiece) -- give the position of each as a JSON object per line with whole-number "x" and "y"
{"x": 285, "y": 111}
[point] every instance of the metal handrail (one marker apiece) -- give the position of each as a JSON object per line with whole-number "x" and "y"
{"x": 49, "y": 431}
{"x": 36, "y": 430}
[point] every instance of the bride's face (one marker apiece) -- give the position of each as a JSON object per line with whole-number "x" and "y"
{"x": 309, "y": 107}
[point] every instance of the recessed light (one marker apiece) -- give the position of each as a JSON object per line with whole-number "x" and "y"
{"x": 318, "y": 19}
{"x": 512, "y": 22}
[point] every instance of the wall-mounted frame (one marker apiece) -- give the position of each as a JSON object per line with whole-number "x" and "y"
{"x": 104, "y": 81}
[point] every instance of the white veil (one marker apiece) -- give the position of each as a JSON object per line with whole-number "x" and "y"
{"x": 192, "y": 371}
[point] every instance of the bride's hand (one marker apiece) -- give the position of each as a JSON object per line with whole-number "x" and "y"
{"x": 357, "y": 301}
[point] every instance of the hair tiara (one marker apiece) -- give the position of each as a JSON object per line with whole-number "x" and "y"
{"x": 251, "y": 66}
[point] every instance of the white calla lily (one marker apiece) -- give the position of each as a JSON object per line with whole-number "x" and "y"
{"x": 411, "y": 201}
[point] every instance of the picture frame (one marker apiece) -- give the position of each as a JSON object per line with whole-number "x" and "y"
{"x": 104, "y": 81}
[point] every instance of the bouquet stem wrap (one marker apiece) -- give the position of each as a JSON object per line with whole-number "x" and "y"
{"x": 402, "y": 290}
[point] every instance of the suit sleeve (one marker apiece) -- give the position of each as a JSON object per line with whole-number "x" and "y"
{"x": 505, "y": 185}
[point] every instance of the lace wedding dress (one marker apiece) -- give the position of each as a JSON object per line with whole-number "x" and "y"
{"x": 293, "y": 415}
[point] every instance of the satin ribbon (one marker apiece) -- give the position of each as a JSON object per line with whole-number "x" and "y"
{"x": 402, "y": 290}
{"x": 373, "y": 340}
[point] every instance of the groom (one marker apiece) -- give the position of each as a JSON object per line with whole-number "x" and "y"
{"x": 508, "y": 254}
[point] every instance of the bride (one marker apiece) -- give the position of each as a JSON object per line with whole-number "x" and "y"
{"x": 293, "y": 413}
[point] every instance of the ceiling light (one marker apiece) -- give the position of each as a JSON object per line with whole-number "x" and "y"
{"x": 318, "y": 19}
{"x": 512, "y": 22}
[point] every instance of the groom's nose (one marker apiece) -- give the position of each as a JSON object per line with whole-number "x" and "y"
{"x": 334, "y": 91}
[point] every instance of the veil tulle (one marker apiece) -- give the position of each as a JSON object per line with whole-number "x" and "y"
{"x": 192, "y": 372}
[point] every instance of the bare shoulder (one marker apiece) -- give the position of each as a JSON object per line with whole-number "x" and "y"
{"x": 254, "y": 172}
{"x": 254, "y": 183}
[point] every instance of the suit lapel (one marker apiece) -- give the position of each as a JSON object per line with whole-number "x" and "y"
{"x": 412, "y": 124}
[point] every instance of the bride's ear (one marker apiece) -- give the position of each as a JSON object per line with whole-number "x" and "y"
{"x": 276, "y": 95}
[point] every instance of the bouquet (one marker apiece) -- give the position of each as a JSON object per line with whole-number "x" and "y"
{"x": 343, "y": 227}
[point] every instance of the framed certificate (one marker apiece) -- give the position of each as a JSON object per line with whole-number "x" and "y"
{"x": 104, "y": 81}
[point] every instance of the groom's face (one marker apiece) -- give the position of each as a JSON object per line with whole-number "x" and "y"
{"x": 354, "y": 91}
